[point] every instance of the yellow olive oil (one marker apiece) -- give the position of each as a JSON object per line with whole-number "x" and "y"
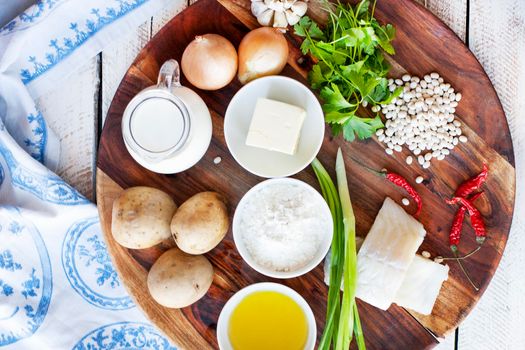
{"x": 268, "y": 320}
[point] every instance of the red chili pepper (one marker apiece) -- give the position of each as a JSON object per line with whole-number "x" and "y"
{"x": 403, "y": 183}
{"x": 475, "y": 218}
{"x": 474, "y": 184}
{"x": 399, "y": 181}
{"x": 457, "y": 224}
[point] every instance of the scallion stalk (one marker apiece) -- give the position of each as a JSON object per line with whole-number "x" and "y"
{"x": 342, "y": 317}
{"x": 336, "y": 265}
{"x": 346, "y": 326}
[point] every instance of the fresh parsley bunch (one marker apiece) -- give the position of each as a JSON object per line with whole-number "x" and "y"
{"x": 351, "y": 68}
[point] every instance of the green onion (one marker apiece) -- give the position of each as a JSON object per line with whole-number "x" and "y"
{"x": 346, "y": 326}
{"x": 359, "y": 337}
{"x": 342, "y": 317}
{"x": 336, "y": 267}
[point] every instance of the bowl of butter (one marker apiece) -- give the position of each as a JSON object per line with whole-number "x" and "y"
{"x": 274, "y": 126}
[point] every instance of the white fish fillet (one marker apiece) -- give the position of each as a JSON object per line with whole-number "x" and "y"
{"x": 386, "y": 254}
{"x": 421, "y": 285}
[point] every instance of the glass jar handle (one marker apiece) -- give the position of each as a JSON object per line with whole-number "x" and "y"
{"x": 169, "y": 75}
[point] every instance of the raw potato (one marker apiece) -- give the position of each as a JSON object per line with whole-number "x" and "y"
{"x": 178, "y": 279}
{"x": 141, "y": 217}
{"x": 200, "y": 223}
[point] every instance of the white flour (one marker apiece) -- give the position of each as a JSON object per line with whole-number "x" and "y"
{"x": 281, "y": 226}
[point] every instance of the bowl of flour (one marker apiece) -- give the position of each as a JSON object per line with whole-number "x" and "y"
{"x": 282, "y": 228}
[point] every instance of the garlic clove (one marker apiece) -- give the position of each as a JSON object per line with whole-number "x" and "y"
{"x": 279, "y": 20}
{"x": 277, "y": 6}
{"x": 299, "y": 8}
{"x": 258, "y": 7}
{"x": 288, "y": 3}
{"x": 265, "y": 18}
{"x": 291, "y": 17}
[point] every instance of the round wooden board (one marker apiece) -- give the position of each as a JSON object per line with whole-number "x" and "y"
{"x": 423, "y": 44}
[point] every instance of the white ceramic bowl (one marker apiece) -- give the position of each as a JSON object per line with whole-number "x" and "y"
{"x": 324, "y": 246}
{"x": 224, "y": 318}
{"x": 239, "y": 115}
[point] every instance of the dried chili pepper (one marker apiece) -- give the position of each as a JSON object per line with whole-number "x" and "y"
{"x": 403, "y": 183}
{"x": 457, "y": 224}
{"x": 399, "y": 181}
{"x": 475, "y": 218}
{"x": 456, "y": 228}
{"x": 473, "y": 184}
{"x": 455, "y": 233}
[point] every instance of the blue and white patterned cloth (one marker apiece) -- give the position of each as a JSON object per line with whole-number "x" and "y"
{"x": 58, "y": 288}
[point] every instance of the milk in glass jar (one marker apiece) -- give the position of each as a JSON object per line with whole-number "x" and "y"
{"x": 167, "y": 127}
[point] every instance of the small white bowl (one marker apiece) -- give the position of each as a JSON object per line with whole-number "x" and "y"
{"x": 239, "y": 115}
{"x": 324, "y": 246}
{"x": 224, "y": 318}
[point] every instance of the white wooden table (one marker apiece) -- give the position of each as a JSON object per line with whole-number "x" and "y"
{"x": 494, "y": 31}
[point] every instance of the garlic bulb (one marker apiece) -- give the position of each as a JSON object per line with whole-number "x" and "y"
{"x": 278, "y": 13}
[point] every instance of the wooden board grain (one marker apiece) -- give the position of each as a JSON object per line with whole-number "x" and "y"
{"x": 422, "y": 46}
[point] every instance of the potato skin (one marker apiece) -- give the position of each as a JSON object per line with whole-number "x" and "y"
{"x": 177, "y": 279}
{"x": 141, "y": 217}
{"x": 200, "y": 223}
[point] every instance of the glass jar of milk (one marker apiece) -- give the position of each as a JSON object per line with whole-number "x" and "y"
{"x": 167, "y": 127}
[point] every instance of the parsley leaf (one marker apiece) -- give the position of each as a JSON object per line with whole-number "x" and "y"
{"x": 351, "y": 68}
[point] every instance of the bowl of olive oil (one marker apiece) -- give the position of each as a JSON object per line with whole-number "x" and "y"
{"x": 266, "y": 316}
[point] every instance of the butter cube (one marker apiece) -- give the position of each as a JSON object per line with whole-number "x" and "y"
{"x": 275, "y": 126}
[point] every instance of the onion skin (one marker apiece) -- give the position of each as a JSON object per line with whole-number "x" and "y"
{"x": 209, "y": 62}
{"x": 263, "y": 51}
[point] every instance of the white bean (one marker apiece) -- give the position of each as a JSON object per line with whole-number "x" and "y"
{"x": 422, "y": 118}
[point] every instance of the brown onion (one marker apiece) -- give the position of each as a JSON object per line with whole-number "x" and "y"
{"x": 209, "y": 62}
{"x": 262, "y": 52}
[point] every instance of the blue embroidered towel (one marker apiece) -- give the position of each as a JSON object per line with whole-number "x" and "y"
{"x": 58, "y": 288}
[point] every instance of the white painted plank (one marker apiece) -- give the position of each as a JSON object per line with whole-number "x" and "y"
{"x": 70, "y": 110}
{"x": 447, "y": 343}
{"x": 497, "y": 38}
{"x": 117, "y": 58}
{"x": 452, "y": 12}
